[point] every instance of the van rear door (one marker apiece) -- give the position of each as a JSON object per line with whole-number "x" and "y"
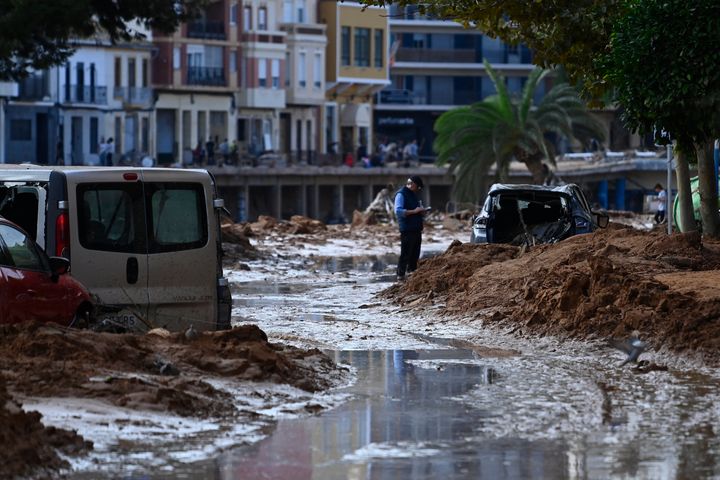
{"x": 182, "y": 248}
{"x": 108, "y": 240}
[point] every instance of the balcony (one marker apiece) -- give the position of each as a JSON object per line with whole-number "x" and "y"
{"x": 34, "y": 87}
{"x": 133, "y": 95}
{"x": 209, "y": 76}
{"x": 207, "y": 30}
{"x": 398, "y": 96}
{"x": 85, "y": 94}
{"x": 438, "y": 56}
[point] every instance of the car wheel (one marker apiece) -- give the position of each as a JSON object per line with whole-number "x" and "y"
{"x": 82, "y": 317}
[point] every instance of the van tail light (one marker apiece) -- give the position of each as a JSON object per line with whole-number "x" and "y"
{"x": 62, "y": 235}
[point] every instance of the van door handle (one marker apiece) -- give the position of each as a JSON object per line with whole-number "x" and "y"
{"x": 131, "y": 270}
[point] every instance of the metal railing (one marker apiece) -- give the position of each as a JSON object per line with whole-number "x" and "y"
{"x": 467, "y": 55}
{"x": 209, "y": 30}
{"x": 133, "y": 95}
{"x": 34, "y": 87}
{"x": 85, "y": 94}
{"x": 212, "y": 76}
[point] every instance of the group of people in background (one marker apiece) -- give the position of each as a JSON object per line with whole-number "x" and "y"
{"x": 400, "y": 153}
{"x": 212, "y": 153}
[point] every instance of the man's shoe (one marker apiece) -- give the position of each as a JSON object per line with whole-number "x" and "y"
{"x": 401, "y": 278}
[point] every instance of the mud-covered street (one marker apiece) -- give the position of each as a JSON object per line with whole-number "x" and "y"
{"x": 488, "y": 362}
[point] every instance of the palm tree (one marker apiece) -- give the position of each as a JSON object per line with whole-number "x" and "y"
{"x": 502, "y": 128}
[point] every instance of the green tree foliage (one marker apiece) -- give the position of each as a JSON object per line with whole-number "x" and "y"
{"x": 663, "y": 62}
{"x": 504, "y": 127}
{"x": 38, "y": 33}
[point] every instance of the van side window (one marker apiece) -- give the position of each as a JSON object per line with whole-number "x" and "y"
{"x": 177, "y": 216}
{"x": 112, "y": 217}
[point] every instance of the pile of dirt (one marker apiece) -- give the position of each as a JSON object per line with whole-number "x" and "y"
{"x": 297, "y": 225}
{"x": 236, "y": 237}
{"x": 604, "y": 284}
{"x": 158, "y": 371}
{"x": 28, "y": 446}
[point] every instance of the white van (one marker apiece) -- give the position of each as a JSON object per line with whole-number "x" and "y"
{"x": 144, "y": 241}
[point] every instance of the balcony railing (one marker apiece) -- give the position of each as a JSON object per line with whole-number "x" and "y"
{"x": 398, "y": 96}
{"x": 208, "y": 30}
{"x": 85, "y": 94}
{"x": 35, "y": 87}
{"x": 211, "y": 76}
{"x": 133, "y": 95}
{"x": 438, "y": 55}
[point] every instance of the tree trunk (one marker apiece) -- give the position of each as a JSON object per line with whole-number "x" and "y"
{"x": 686, "y": 220}
{"x": 707, "y": 185}
{"x": 534, "y": 164}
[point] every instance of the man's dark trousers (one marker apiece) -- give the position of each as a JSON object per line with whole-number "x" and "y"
{"x": 409, "y": 251}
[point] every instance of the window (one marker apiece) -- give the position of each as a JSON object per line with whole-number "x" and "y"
{"x": 301, "y": 11}
{"x": 108, "y": 218}
{"x": 176, "y": 58}
{"x": 21, "y": 250}
{"x": 345, "y": 46}
{"x": 317, "y": 71}
{"x": 247, "y": 18}
{"x": 145, "y": 75}
{"x": 302, "y": 73}
{"x": 379, "y": 48}
{"x": 118, "y": 72}
{"x": 275, "y": 72}
{"x": 287, "y": 69}
{"x": 113, "y": 217}
{"x": 93, "y": 135}
{"x": 131, "y": 72}
{"x": 233, "y": 14}
{"x": 177, "y": 217}
{"x": 362, "y": 47}
{"x": 233, "y": 61}
{"x": 20, "y": 130}
{"x": 145, "y": 135}
{"x": 262, "y": 18}
{"x": 287, "y": 11}
{"x": 262, "y": 72}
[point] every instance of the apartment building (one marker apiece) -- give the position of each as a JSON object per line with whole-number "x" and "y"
{"x": 437, "y": 65}
{"x": 356, "y": 68}
{"x": 61, "y": 115}
{"x": 301, "y": 121}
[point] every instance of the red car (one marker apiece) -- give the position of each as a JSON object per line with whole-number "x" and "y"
{"x": 35, "y": 287}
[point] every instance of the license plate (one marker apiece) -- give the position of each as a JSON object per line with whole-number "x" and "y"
{"x": 122, "y": 319}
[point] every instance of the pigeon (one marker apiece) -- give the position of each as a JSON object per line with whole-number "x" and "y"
{"x": 191, "y": 334}
{"x": 164, "y": 367}
{"x": 632, "y": 346}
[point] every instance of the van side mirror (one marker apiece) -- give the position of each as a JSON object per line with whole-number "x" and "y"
{"x": 59, "y": 266}
{"x": 602, "y": 219}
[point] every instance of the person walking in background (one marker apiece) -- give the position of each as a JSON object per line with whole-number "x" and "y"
{"x": 106, "y": 152}
{"x": 410, "y": 215}
{"x": 224, "y": 153}
{"x": 210, "y": 151}
{"x": 661, "y": 199}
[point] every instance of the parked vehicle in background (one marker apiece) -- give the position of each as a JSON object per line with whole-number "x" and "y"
{"x": 145, "y": 241}
{"x": 534, "y": 214}
{"x": 35, "y": 287}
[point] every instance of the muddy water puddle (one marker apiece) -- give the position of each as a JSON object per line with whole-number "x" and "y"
{"x": 428, "y": 414}
{"x": 428, "y": 403}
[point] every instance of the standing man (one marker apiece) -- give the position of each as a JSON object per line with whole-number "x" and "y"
{"x": 661, "y": 199}
{"x": 410, "y": 214}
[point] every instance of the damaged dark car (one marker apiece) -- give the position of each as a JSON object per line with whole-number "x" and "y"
{"x": 534, "y": 214}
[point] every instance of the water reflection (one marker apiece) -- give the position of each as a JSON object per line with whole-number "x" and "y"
{"x": 402, "y": 424}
